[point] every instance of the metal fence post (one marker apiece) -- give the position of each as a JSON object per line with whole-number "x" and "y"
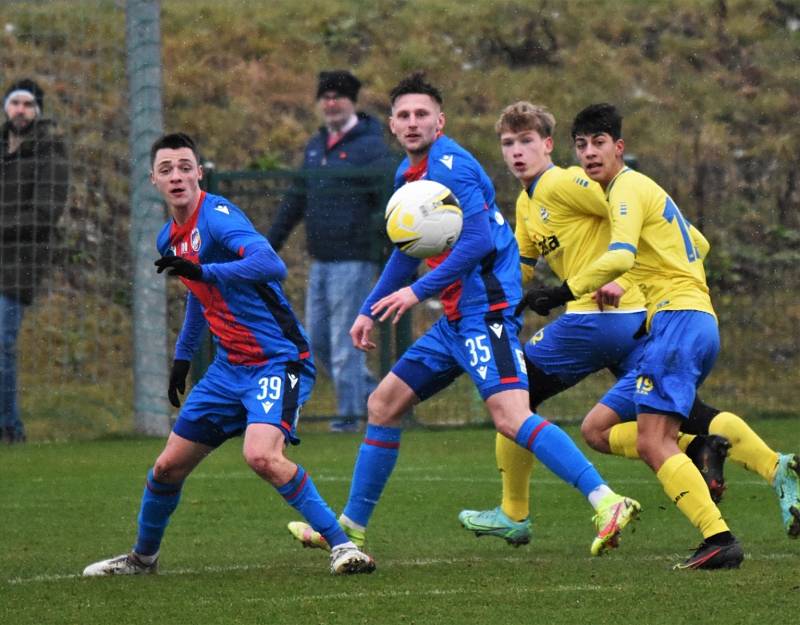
{"x": 143, "y": 37}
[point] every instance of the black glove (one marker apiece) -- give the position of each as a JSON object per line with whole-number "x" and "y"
{"x": 180, "y": 267}
{"x": 177, "y": 381}
{"x": 543, "y": 299}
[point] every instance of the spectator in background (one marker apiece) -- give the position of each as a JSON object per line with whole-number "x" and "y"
{"x": 338, "y": 213}
{"x": 33, "y": 191}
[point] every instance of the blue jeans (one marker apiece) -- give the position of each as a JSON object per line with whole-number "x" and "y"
{"x": 336, "y": 290}
{"x": 10, "y": 320}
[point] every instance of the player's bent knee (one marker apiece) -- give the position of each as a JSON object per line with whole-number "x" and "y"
{"x": 269, "y": 466}
{"x": 167, "y": 471}
{"x": 385, "y": 409}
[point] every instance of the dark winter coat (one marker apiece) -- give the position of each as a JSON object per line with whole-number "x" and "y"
{"x": 340, "y": 213}
{"x": 33, "y": 191}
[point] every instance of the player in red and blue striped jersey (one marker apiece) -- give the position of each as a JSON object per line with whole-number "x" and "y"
{"x": 480, "y": 285}
{"x": 262, "y": 374}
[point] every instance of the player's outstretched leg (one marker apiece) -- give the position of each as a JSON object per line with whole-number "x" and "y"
{"x": 126, "y": 564}
{"x": 708, "y": 454}
{"x": 496, "y": 523}
{"x": 557, "y": 451}
{"x": 614, "y": 513}
{"x": 787, "y": 486}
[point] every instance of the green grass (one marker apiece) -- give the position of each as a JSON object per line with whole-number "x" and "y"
{"x": 228, "y": 558}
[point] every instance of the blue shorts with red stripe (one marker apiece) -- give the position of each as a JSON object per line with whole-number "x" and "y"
{"x": 484, "y": 346}
{"x": 231, "y": 397}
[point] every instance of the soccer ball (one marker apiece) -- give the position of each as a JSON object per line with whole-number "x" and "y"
{"x": 423, "y": 218}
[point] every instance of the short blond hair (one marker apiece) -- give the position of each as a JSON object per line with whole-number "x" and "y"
{"x": 524, "y": 115}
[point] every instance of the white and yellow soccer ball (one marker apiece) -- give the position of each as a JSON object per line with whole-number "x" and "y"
{"x": 423, "y": 218}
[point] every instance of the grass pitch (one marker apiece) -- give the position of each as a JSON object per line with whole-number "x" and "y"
{"x": 228, "y": 558}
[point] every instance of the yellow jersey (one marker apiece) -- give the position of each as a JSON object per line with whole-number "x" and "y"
{"x": 651, "y": 240}
{"x": 564, "y": 217}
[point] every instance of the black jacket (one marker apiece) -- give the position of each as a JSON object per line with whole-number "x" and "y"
{"x": 340, "y": 213}
{"x": 33, "y": 191}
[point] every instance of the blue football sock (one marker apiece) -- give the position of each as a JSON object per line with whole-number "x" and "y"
{"x": 158, "y": 503}
{"x": 302, "y": 495}
{"x": 374, "y": 464}
{"x": 558, "y": 452}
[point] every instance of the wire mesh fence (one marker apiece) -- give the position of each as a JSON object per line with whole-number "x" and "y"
{"x": 75, "y": 342}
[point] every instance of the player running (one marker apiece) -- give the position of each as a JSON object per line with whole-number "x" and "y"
{"x": 651, "y": 240}
{"x": 479, "y": 281}
{"x": 561, "y": 216}
{"x": 262, "y": 374}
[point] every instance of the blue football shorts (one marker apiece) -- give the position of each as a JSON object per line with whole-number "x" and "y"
{"x": 230, "y": 397}
{"x": 677, "y": 356}
{"x": 576, "y": 345}
{"x": 486, "y": 347}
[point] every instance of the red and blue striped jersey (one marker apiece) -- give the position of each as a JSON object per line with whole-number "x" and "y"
{"x": 240, "y": 296}
{"x": 495, "y": 282}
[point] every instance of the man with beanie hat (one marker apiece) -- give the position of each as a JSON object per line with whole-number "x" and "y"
{"x": 338, "y": 212}
{"x": 33, "y": 191}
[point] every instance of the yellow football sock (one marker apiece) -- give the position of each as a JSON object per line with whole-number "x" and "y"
{"x": 515, "y": 464}
{"x": 747, "y": 448}
{"x": 684, "y": 439}
{"x": 622, "y": 439}
{"x": 685, "y": 487}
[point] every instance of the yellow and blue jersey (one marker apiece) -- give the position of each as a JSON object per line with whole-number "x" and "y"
{"x": 653, "y": 242}
{"x": 564, "y": 217}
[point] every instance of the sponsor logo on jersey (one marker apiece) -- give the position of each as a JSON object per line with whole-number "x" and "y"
{"x": 292, "y": 379}
{"x": 195, "y": 239}
{"x": 581, "y": 181}
{"x": 221, "y": 208}
{"x": 267, "y": 405}
{"x": 447, "y": 161}
{"x": 482, "y": 371}
{"x": 548, "y": 244}
{"x": 623, "y": 209}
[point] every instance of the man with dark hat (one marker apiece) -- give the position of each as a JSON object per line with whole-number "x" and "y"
{"x": 338, "y": 213}
{"x": 33, "y": 191}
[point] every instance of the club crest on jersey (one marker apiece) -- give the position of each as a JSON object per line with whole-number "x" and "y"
{"x": 194, "y": 238}
{"x": 544, "y": 213}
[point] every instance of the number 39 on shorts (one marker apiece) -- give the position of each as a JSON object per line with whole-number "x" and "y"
{"x": 271, "y": 387}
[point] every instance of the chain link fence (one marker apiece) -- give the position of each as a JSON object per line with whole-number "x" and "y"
{"x": 75, "y": 342}
{"x": 77, "y": 351}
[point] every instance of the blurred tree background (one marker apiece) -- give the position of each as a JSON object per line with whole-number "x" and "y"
{"x": 710, "y": 92}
